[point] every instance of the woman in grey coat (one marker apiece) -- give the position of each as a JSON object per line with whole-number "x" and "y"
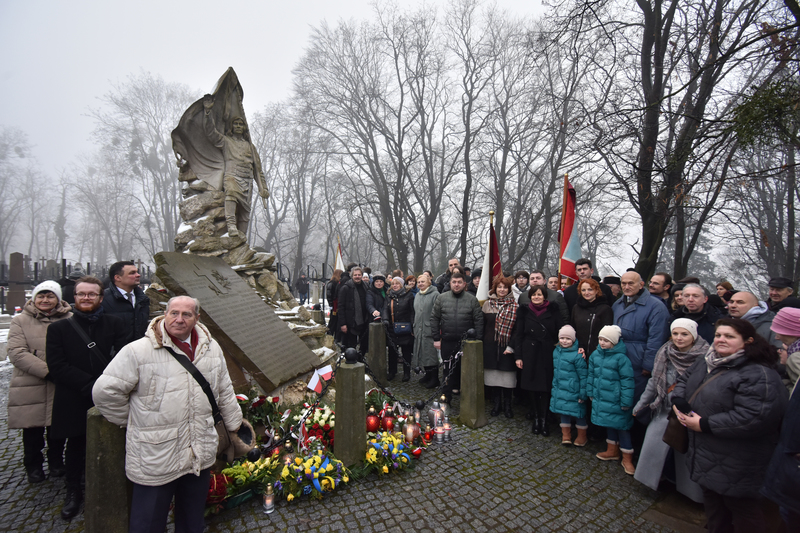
{"x": 425, "y": 354}
{"x": 672, "y": 361}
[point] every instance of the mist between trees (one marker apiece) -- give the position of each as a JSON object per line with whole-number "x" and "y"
{"x": 404, "y": 129}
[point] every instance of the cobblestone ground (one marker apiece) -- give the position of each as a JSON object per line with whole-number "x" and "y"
{"x": 497, "y": 478}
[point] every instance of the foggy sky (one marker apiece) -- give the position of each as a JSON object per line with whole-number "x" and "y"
{"x": 59, "y": 57}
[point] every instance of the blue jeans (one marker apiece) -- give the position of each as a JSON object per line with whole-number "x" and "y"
{"x": 623, "y": 436}
{"x": 566, "y": 420}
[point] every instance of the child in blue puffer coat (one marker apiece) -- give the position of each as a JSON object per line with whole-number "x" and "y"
{"x": 611, "y": 389}
{"x": 569, "y": 387}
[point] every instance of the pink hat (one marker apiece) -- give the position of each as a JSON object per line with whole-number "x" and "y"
{"x": 787, "y": 322}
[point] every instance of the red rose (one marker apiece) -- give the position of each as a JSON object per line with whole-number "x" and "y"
{"x": 259, "y": 402}
{"x": 326, "y": 427}
{"x": 275, "y": 399}
{"x": 315, "y": 426}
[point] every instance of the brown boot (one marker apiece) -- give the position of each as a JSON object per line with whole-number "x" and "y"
{"x": 582, "y": 438}
{"x": 566, "y": 435}
{"x": 627, "y": 462}
{"x": 611, "y": 453}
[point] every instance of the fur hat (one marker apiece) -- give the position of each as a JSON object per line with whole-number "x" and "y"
{"x": 567, "y": 331}
{"x": 47, "y": 286}
{"x": 685, "y": 323}
{"x": 611, "y": 333}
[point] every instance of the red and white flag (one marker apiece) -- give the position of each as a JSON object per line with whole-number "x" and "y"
{"x": 491, "y": 265}
{"x": 325, "y": 372}
{"x": 568, "y": 233}
{"x": 315, "y": 384}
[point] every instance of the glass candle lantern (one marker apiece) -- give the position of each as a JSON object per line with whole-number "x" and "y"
{"x": 269, "y": 500}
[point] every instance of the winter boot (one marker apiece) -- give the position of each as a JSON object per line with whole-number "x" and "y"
{"x": 611, "y": 453}
{"x": 406, "y": 373}
{"x": 35, "y": 474}
{"x": 566, "y": 435}
{"x": 433, "y": 382}
{"x": 627, "y": 462}
{"x": 545, "y": 427}
{"x": 498, "y": 401}
{"x": 508, "y": 402}
{"x": 72, "y": 503}
{"x": 582, "y": 438}
{"x": 537, "y": 426}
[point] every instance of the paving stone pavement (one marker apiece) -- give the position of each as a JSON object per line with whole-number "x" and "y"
{"x": 497, "y": 478}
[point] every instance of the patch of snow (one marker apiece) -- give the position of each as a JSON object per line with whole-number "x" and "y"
{"x": 3, "y": 335}
{"x": 184, "y": 227}
{"x": 200, "y": 219}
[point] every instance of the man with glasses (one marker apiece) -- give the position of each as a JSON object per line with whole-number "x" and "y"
{"x": 78, "y": 350}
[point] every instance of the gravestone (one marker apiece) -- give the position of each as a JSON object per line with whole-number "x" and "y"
{"x": 246, "y": 328}
{"x": 16, "y": 283}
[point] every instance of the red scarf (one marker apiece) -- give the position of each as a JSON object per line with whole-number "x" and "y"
{"x": 186, "y": 348}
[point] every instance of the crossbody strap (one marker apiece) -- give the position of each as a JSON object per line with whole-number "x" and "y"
{"x": 89, "y": 342}
{"x": 201, "y": 380}
{"x": 706, "y": 382}
{"x": 392, "y": 305}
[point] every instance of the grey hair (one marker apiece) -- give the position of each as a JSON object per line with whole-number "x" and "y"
{"x": 195, "y": 300}
{"x": 696, "y": 286}
{"x": 352, "y": 270}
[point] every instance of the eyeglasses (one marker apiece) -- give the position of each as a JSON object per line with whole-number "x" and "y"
{"x": 89, "y": 295}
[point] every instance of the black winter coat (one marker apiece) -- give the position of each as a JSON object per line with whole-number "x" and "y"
{"x": 493, "y": 356}
{"x": 376, "y": 299}
{"x": 135, "y": 319}
{"x": 351, "y": 313}
{"x": 571, "y": 295}
{"x": 74, "y": 368}
{"x": 782, "y": 482}
{"x": 403, "y": 305}
{"x": 453, "y": 314}
{"x": 534, "y": 340}
{"x": 588, "y": 318}
{"x": 741, "y": 415}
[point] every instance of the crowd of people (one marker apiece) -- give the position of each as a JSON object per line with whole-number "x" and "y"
{"x": 87, "y": 344}
{"x": 615, "y": 358}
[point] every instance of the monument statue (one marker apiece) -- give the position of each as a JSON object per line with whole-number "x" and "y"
{"x": 227, "y": 161}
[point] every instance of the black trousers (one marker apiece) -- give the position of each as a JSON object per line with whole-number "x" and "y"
{"x": 33, "y": 440}
{"x": 75, "y": 461}
{"x": 728, "y": 514}
{"x": 540, "y": 403}
{"x": 357, "y": 337}
{"x": 406, "y": 350}
{"x": 150, "y": 505}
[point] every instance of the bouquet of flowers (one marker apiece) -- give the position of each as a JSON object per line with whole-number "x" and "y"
{"x": 261, "y": 410}
{"x": 387, "y": 453}
{"x": 217, "y": 492}
{"x": 375, "y": 398}
{"x": 312, "y": 475}
{"x": 245, "y": 475}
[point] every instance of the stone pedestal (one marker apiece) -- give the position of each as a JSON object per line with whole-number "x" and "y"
{"x": 351, "y": 414}
{"x": 318, "y": 317}
{"x": 473, "y": 403}
{"x": 108, "y": 491}
{"x": 376, "y": 357}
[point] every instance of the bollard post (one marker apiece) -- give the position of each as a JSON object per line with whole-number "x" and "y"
{"x": 376, "y": 357}
{"x": 318, "y": 317}
{"x": 473, "y": 403}
{"x": 351, "y": 414}
{"x": 108, "y": 491}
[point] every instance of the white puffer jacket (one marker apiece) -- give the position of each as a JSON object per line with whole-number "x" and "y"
{"x": 170, "y": 428}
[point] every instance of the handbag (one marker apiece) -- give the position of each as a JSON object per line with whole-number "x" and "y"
{"x": 231, "y": 443}
{"x": 677, "y": 435}
{"x": 400, "y": 328}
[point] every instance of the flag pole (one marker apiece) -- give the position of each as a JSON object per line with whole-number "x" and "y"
{"x": 561, "y": 227}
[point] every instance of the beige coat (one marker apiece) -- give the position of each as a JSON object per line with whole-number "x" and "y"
{"x": 170, "y": 428}
{"x": 30, "y": 396}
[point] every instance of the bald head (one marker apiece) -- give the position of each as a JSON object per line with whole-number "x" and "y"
{"x": 631, "y": 283}
{"x": 741, "y": 303}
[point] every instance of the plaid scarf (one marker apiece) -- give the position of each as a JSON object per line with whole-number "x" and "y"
{"x": 713, "y": 360}
{"x": 506, "y": 309}
{"x": 680, "y": 360}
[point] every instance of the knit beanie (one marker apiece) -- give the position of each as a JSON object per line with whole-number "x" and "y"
{"x": 787, "y": 322}
{"x": 687, "y": 324}
{"x": 611, "y": 333}
{"x": 47, "y": 286}
{"x": 567, "y": 331}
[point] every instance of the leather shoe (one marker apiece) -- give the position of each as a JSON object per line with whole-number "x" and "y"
{"x": 57, "y": 471}
{"x": 72, "y": 504}
{"x": 36, "y": 475}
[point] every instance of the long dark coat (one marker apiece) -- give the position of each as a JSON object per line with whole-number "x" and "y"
{"x": 493, "y": 356}
{"x": 74, "y": 368}
{"x": 534, "y": 341}
{"x": 403, "y": 312}
{"x": 588, "y": 318}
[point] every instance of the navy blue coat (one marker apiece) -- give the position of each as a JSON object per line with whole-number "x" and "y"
{"x": 136, "y": 319}
{"x": 782, "y": 483}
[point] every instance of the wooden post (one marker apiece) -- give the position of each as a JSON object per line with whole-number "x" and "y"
{"x": 351, "y": 414}
{"x": 108, "y": 491}
{"x": 473, "y": 403}
{"x": 376, "y": 357}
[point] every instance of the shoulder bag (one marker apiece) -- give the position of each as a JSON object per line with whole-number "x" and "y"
{"x": 676, "y": 434}
{"x": 400, "y": 328}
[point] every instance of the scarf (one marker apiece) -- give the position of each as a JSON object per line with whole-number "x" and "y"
{"x": 680, "y": 360}
{"x": 506, "y": 310}
{"x": 714, "y": 361}
{"x": 91, "y": 317}
{"x": 539, "y": 309}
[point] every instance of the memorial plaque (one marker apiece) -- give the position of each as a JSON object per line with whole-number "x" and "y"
{"x": 246, "y": 327}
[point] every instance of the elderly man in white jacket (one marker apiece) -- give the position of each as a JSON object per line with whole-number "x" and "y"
{"x": 171, "y": 439}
